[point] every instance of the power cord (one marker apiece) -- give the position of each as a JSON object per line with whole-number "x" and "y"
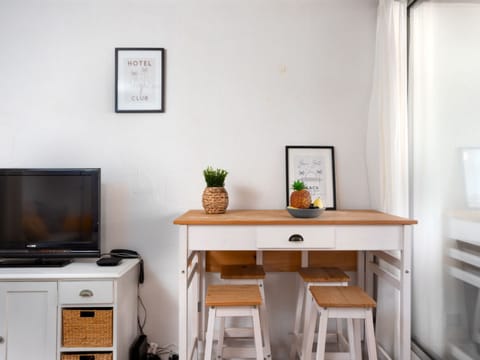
{"x": 141, "y": 305}
{"x": 132, "y": 254}
{"x": 157, "y": 351}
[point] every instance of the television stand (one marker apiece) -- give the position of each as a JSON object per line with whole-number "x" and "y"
{"x": 34, "y": 262}
{"x": 45, "y": 306}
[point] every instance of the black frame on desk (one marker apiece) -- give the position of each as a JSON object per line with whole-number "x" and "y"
{"x": 315, "y": 166}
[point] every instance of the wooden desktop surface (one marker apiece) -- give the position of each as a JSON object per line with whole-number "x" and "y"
{"x": 282, "y": 217}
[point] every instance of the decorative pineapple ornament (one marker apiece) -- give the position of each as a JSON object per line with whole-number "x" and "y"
{"x": 300, "y": 197}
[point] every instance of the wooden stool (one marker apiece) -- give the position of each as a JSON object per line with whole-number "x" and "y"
{"x": 251, "y": 274}
{"x": 313, "y": 277}
{"x": 231, "y": 301}
{"x": 350, "y": 303}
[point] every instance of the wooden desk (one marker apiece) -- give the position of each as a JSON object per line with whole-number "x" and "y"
{"x": 371, "y": 232}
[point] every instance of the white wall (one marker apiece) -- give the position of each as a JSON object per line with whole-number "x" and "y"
{"x": 445, "y": 74}
{"x": 244, "y": 79}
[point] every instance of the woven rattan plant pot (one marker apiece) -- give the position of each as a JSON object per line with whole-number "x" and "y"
{"x": 215, "y": 200}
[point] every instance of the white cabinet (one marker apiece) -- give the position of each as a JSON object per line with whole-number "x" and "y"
{"x": 28, "y": 318}
{"x": 32, "y": 301}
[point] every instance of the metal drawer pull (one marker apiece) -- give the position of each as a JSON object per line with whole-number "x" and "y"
{"x": 2, "y": 340}
{"x": 295, "y": 238}
{"x": 86, "y": 293}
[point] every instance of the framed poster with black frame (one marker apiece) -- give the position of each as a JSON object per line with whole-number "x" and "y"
{"x": 139, "y": 80}
{"x": 315, "y": 166}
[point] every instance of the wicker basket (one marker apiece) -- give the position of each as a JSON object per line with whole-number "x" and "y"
{"x": 215, "y": 200}
{"x": 87, "y": 327}
{"x": 87, "y": 356}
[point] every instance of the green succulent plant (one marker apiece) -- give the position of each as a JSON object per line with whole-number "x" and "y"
{"x": 215, "y": 177}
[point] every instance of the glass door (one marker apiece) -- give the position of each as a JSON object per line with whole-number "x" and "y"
{"x": 444, "y": 98}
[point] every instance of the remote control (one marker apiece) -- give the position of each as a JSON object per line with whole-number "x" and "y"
{"x": 109, "y": 261}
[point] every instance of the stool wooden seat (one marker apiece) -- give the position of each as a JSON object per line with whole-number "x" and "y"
{"x": 313, "y": 276}
{"x": 233, "y": 295}
{"x": 239, "y": 272}
{"x": 323, "y": 275}
{"x": 251, "y": 274}
{"x": 232, "y": 301}
{"x": 350, "y": 303}
{"x": 342, "y": 297}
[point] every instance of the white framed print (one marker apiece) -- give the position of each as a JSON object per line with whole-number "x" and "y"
{"x": 315, "y": 166}
{"x": 139, "y": 80}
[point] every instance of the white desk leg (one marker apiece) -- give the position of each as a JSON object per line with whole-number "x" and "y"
{"x": 361, "y": 269}
{"x": 259, "y": 257}
{"x": 202, "y": 286}
{"x": 405, "y": 294}
{"x": 368, "y": 281}
{"x": 369, "y": 275}
{"x": 182, "y": 293}
{"x": 304, "y": 259}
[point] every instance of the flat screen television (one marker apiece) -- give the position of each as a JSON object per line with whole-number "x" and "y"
{"x": 48, "y": 216}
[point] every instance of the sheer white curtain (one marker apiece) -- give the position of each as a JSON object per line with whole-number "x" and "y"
{"x": 387, "y": 131}
{"x": 387, "y": 144}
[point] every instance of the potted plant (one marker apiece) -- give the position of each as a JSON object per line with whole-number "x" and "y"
{"x": 215, "y": 197}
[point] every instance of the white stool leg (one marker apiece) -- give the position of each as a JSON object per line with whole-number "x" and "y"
{"x": 340, "y": 333}
{"x": 221, "y": 336}
{"x": 340, "y": 321}
{"x": 370, "y": 336}
{"x": 257, "y": 333}
{"x": 298, "y": 318}
{"x": 351, "y": 338}
{"x": 264, "y": 323}
{"x": 308, "y": 335}
{"x": 322, "y": 334}
{"x": 308, "y": 304}
{"x": 357, "y": 325}
{"x": 210, "y": 329}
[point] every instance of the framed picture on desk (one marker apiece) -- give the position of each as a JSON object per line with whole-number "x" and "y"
{"x": 315, "y": 166}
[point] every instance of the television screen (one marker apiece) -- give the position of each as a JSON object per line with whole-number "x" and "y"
{"x": 49, "y": 213}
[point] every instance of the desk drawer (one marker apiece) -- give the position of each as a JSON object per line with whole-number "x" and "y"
{"x": 85, "y": 292}
{"x": 295, "y": 237}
